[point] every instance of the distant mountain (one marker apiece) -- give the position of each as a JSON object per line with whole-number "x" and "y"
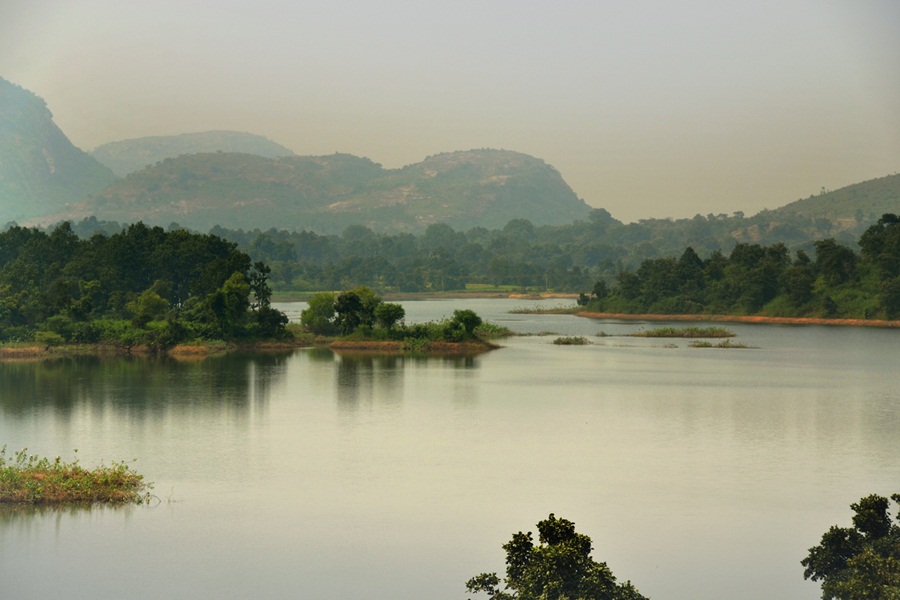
{"x": 328, "y": 193}
{"x": 850, "y": 207}
{"x": 40, "y": 169}
{"x": 128, "y": 156}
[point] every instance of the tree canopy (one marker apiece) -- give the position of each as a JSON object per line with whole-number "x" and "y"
{"x": 558, "y": 568}
{"x": 142, "y": 285}
{"x": 860, "y": 562}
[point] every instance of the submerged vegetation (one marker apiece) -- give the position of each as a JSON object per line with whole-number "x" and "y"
{"x": 31, "y": 479}
{"x": 722, "y": 344}
{"x": 571, "y": 341}
{"x": 686, "y": 332}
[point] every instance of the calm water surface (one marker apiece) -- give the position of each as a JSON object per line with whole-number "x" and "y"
{"x": 698, "y": 473}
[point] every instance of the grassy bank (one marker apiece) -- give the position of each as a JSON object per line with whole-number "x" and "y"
{"x": 29, "y": 479}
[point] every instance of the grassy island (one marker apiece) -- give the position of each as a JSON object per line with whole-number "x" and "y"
{"x": 29, "y": 479}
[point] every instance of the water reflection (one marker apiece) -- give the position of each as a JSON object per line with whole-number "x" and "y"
{"x": 359, "y": 377}
{"x": 137, "y": 385}
{"x": 369, "y": 377}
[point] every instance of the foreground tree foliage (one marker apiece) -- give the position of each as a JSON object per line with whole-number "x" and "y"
{"x": 558, "y": 568}
{"x": 141, "y": 286}
{"x": 860, "y": 562}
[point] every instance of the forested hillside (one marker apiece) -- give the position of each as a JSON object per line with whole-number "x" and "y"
{"x": 40, "y": 169}
{"x": 852, "y": 207}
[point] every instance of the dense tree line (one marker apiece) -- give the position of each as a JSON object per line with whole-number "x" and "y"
{"x": 141, "y": 285}
{"x": 520, "y": 255}
{"x": 756, "y": 279}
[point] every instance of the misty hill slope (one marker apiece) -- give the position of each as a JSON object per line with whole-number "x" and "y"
{"x": 853, "y": 205}
{"x": 128, "y": 156}
{"x": 40, "y": 169}
{"x": 328, "y": 193}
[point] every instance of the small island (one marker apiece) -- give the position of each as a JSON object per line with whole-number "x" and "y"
{"x": 367, "y": 324}
{"x": 30, "y": 479}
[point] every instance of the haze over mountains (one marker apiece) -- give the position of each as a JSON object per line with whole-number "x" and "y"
{"x": 40, "y": 169}
{"x": 128, "y": 156}
{"x": 240, "y": 180}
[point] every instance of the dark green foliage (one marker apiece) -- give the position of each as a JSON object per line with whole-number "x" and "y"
{"x": 157, "y": 287}
{"x": 862, "y": 562}
{"x": 360, "y": 314}
{"x": 349, "y": 312}
{"x": 465, "y": 319}
{"x": 880, "y": 244}
{"x": 388, "y": 314}
{"x": 835, "y": 263}
{"x": 558, "y": 568}
{"x": 757, "y": 279}
{"x": 319, "y": 314}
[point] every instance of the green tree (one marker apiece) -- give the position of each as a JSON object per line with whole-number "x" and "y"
{"x": 149, "y": 306}
{"x": 835, "y": 262}
{"x": 348, "y": 309}
{"x": 318, "y": 317}
{"x": 889, "y": 298}
{"x": 880, "y": 245}
{"x": 558, "y": 568}
{"x": 388, "y": 314}
{"x": 862, "y": 562}
{"x": 467, "y": 320}
{"x": 258, "y": 277}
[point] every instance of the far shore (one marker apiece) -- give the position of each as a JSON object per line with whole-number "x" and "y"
{"x": 451, "y": 295}
{"x": 741, "y": 319}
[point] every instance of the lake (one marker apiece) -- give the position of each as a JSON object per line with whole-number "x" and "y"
{"x": 698, "y": 473}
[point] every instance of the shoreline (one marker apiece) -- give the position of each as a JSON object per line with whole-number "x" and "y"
{"x": 381, "y": 347}
{"x": 742, "y": 319}
{"x": 453, "y": 295}
{"x": 199, "y": 352}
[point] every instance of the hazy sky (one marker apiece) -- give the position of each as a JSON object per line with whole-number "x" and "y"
{"x": 647, "y": 108}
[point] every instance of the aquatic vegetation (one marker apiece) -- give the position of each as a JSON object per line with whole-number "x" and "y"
{"x": 32, "y": 479}
{"x": 722, "y": 344}
{"x": 686, "y": 332}
{"x": 571, "y": 341}
{"x": 546, "y": 310}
